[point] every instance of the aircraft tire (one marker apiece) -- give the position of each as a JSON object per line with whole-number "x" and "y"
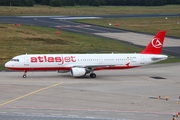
{"x": 92, "y": 75}
{"x": 24, "y": 76}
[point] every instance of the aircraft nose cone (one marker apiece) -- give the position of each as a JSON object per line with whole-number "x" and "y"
{"x": 7, "y": 65}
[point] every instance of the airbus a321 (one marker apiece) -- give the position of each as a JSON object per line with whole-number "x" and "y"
{"x": 83, "y": 64}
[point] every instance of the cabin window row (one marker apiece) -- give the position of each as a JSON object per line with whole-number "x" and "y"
{"x": 101, "y": 59}
{"x": 87, "y": 59}
{"x": 116, "y": 59}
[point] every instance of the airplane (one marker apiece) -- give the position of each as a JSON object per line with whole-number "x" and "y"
{"x": 80, "y": 65}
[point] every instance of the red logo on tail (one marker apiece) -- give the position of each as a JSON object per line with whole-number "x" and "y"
{"x": 156, "y": 43}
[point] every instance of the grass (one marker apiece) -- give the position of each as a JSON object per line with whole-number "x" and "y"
{"x": 87, "y": 10}
{"x": 15, "y": 40}
{"x": 147, "y": 25}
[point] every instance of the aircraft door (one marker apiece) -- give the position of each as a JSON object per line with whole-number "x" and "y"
{"x": 26, "y": 61}
{"x": 100, "y": 60}
{"x": 142, "y": 60}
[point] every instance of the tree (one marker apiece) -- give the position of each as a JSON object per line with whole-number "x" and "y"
{"x": 77, "y": 2}
{"x": 102, "y": 2}
{"x": 141, "y": 2}
{"x": 29, "y": 3}
{"x": 83, "y": 2}
{"x": 37, "y": 1}
{"x": 122, "y": 2}
{"x": 158, "y": 2}
{"x": 134, "y": 2}
{"x": 55, "y": 3}
{"x": 149, "y": 2}
{"x": 45, "y": 2}
{"x": 70, "y": 3}
{"x": 128, "y": 2}
{"x": 5, "y": 2}
{"x": 15, "y": 2}
{"x": 91, "y": 2}
{"x": 115, "y": 2}
{"x": 176, "y": 1}
{"x": 96, "y": 3}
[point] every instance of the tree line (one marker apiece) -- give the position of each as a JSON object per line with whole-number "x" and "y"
{"x": 57, "y": 3}
{"x": 17, "y": 2}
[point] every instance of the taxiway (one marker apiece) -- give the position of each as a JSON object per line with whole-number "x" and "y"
{"x": 121, "y": 95}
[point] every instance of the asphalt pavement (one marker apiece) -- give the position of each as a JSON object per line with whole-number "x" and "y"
{"x": 133, "y": 94}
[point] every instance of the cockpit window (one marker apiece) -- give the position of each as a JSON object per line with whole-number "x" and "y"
{"x": 16, "y": 60}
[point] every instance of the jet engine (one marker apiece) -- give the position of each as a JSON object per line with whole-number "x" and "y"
{"x": 77, "y": 72}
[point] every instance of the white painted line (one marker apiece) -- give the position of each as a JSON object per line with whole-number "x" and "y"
{"x": 89, "y": 117}
{"x": 150, "y": 115}
{"x": 101, "y": 113}
{"x": 72, "y": 18}
{"x": 73, "y": 115}
{"x": 3, "y": 112}
{"x": 19, "y": 113}
{"x": 37, "y": 113}
{"x": 126, "y": 113}
{"x": 38, "y": 16}
{"x": 56, "y": 114}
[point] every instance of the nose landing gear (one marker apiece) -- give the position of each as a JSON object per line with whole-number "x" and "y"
{"x": 25, "y": 76}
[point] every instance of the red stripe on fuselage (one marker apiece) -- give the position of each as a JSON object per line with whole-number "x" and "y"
{"x": 40, "y": 69}
{"x": 69, "y": 68}
{"x": 115, "y": 67}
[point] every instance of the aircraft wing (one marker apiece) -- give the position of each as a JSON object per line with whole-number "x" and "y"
{"x": 94, "y": 66}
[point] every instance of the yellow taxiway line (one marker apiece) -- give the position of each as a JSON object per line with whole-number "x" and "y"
{"x": 10, "y": 101}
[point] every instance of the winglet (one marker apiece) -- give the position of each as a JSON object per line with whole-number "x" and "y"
{"x": 155, "y": 46}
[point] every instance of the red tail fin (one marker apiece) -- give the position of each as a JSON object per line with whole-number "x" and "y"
{"x": 155, "y": 46}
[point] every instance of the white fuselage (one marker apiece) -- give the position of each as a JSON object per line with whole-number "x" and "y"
{"x": 94, "y": 61}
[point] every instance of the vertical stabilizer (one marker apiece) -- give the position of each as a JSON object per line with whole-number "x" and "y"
{"x": 155, "y": 46}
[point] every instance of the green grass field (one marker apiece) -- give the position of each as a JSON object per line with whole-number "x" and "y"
{"x": 87, "y": 10}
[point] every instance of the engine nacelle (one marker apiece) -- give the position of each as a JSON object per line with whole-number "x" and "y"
{"x": 77, "y": 72}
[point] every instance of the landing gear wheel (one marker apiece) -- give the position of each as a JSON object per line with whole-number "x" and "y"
{"x": 24, "y": 76}
{"x": 92, "y": 75}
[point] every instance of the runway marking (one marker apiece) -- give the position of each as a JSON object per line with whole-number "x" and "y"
{"x": 3, "y": 112}
{"x": 10, "y": 101}
{"x": 19, "y": 113}
{"x": 38, "y": 113}
{"x": 56, "y": 114}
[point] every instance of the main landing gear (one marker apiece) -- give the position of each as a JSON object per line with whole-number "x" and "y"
{"x": 25, "y": 76}
{"x": 92, "y": 75}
